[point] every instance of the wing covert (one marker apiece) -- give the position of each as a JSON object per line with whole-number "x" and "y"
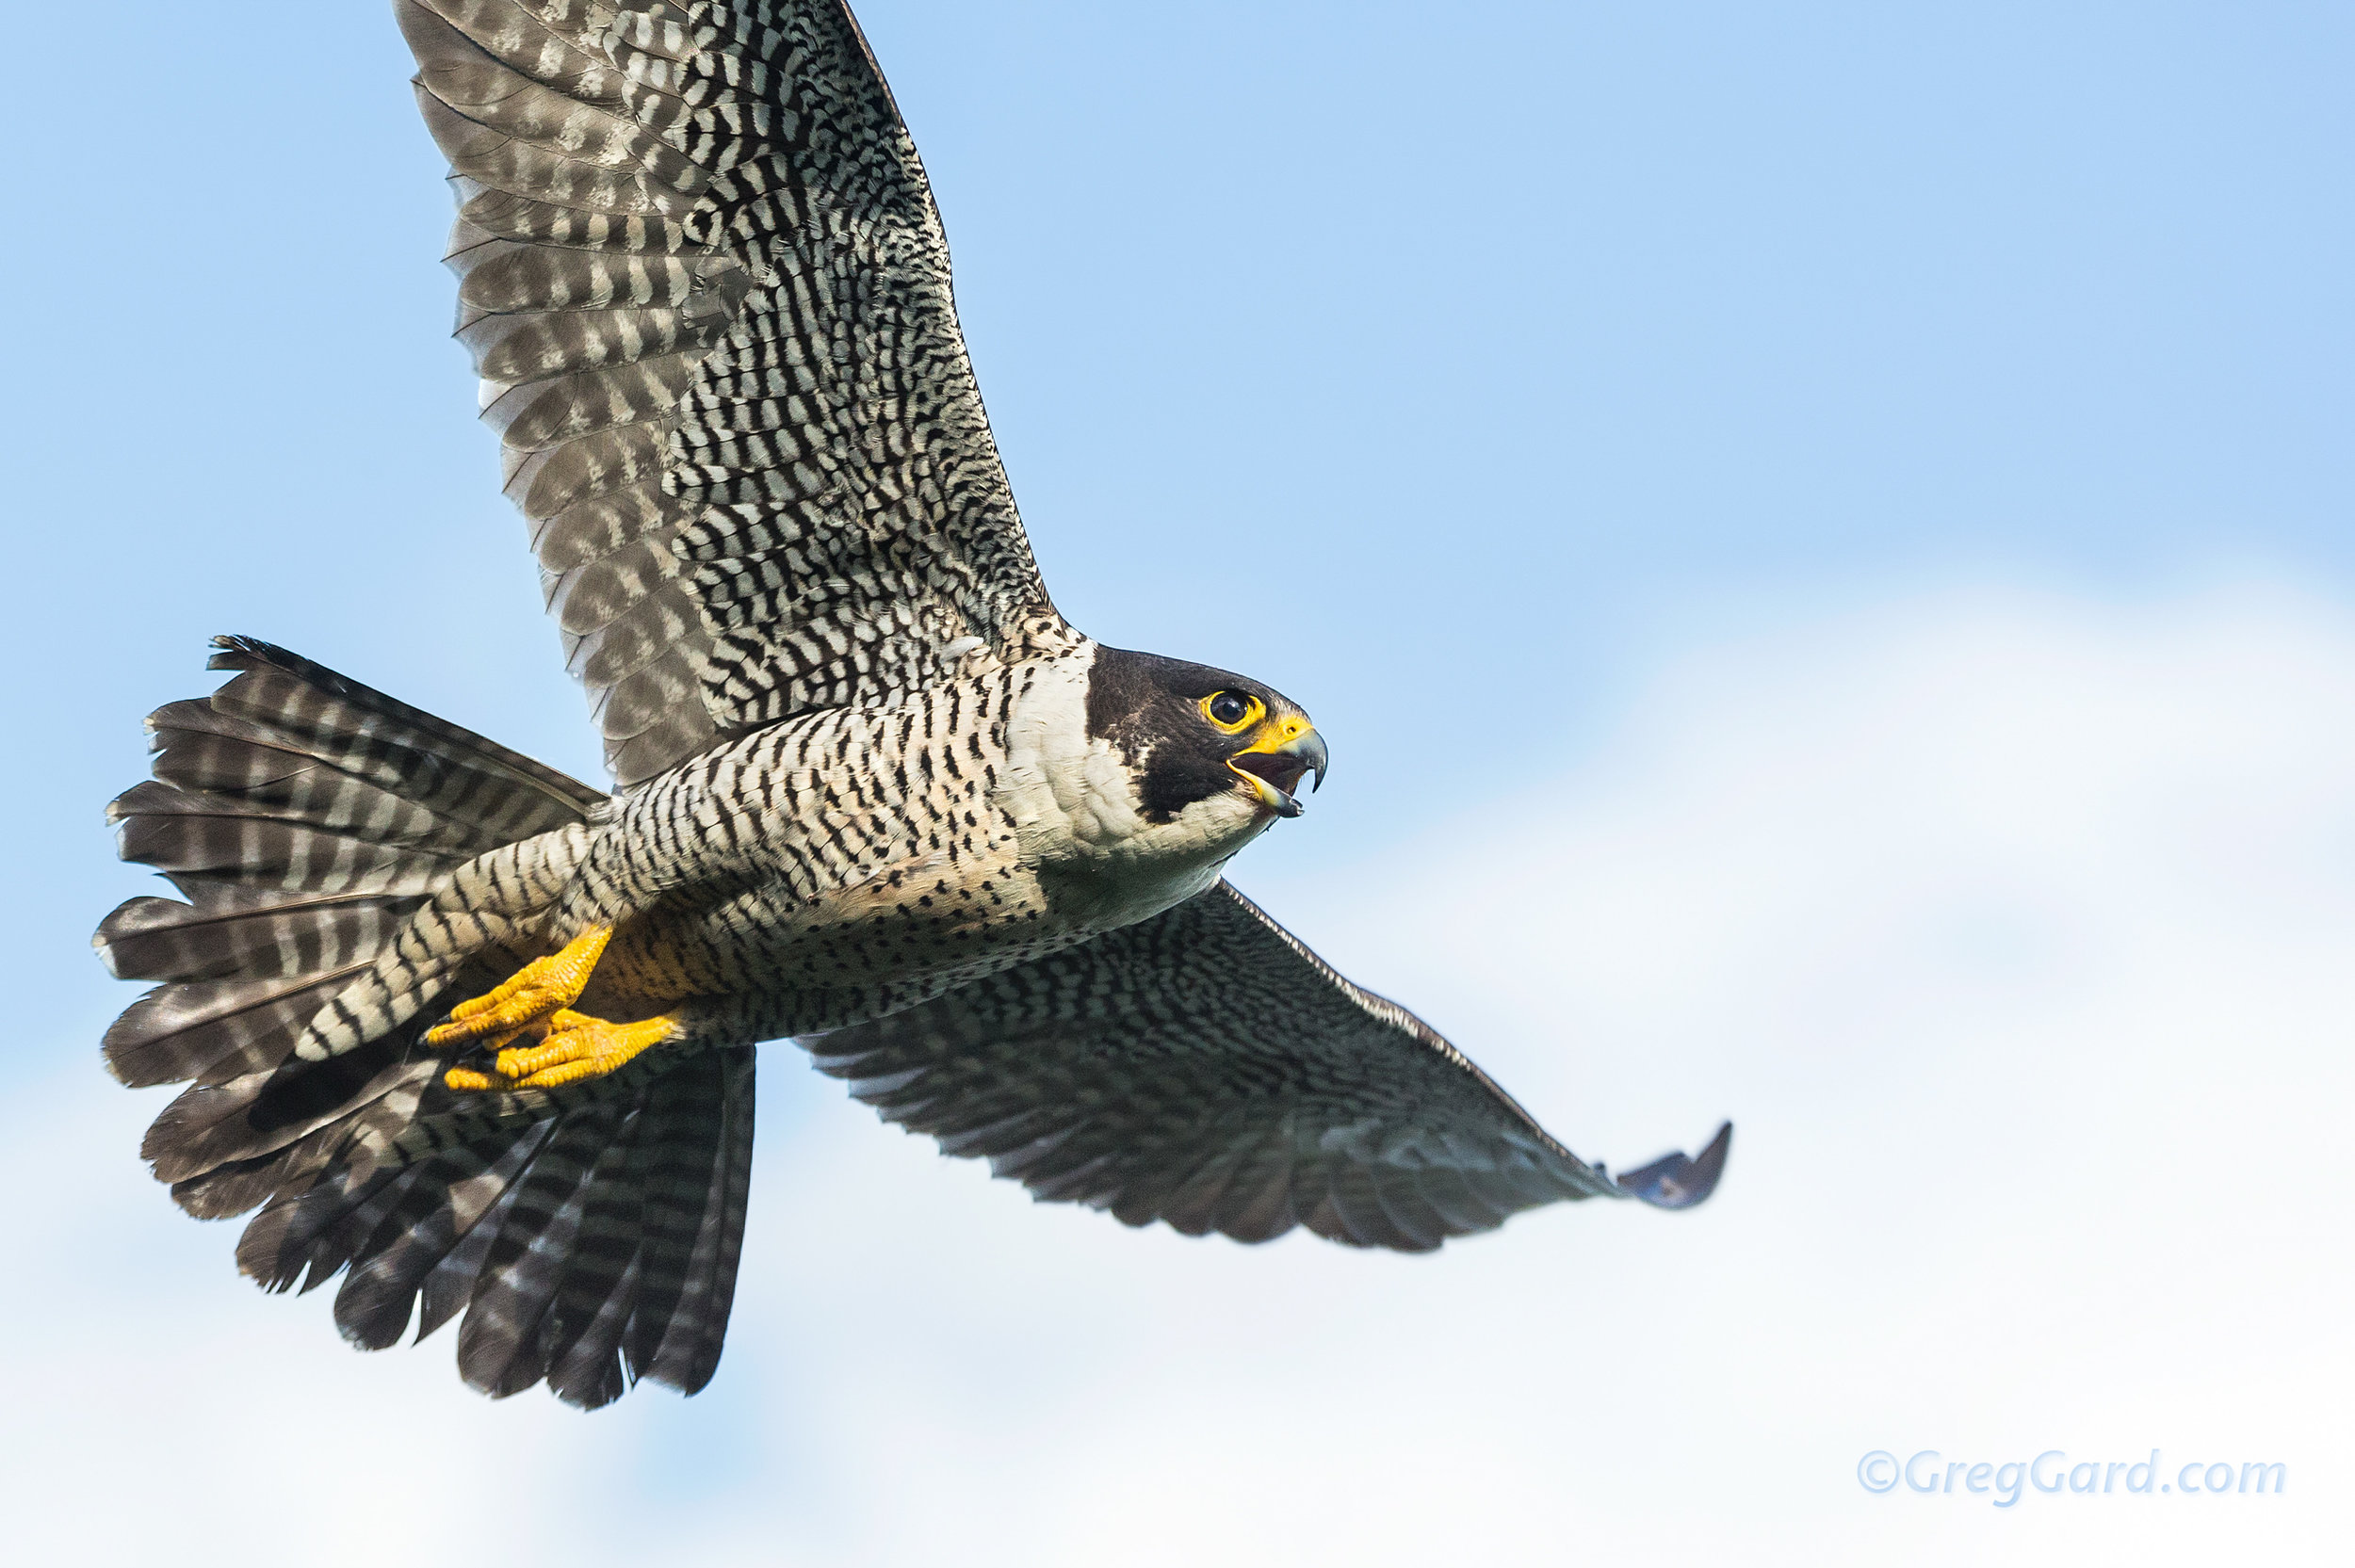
{"x": 1206, "y": 1069}
{"x": 706, "y": 290}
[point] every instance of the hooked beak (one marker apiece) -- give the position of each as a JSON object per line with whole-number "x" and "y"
{"x": 1273, "y": 765}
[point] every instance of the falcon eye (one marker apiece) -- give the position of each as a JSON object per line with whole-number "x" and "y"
{"x": 1231, "y": 710}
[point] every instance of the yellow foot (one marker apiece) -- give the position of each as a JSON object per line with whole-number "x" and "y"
{"x": 529, "y": 996}
{"x": 574, "y": 1046}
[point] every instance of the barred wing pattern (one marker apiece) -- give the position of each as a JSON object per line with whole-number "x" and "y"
{"x": 707, "y": 291}
{"x": 1206, "y": 1069}
{"x": 589, "y": 1241}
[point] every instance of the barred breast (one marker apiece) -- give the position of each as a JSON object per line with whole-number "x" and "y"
{"x": 854, "y": 862}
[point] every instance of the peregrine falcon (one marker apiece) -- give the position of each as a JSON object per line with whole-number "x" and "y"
{"x": 479, "y": 1038}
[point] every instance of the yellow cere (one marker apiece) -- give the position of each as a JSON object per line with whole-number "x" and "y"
{"x": 1277, "y": 736}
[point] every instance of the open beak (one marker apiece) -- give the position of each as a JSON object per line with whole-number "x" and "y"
{"x": 1285, "y": 750}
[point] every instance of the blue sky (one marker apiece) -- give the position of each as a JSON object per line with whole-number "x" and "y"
{"x": 1547, "y": 396}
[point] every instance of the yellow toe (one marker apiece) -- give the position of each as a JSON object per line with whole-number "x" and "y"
{"x": 544, "y": 986}
{"x": 574, "y": 1046}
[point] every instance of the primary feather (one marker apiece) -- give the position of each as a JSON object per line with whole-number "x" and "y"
{"x": 706, "y": 290}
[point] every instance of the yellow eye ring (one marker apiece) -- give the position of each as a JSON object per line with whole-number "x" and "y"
{"x": 1232, "y": 712}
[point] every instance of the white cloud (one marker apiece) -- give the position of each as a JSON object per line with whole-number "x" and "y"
{"x": 2012, "y": 931}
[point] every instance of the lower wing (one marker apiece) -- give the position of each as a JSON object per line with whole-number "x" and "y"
{"x": 1206, "y": 1069}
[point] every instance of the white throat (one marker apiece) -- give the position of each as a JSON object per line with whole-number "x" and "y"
{"x": 1076, "y": 817}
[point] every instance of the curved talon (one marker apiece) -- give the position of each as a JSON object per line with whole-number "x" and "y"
{"x": 541, "y": 988}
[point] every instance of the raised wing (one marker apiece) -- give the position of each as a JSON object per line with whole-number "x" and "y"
{"x": 707, "y": 291}
{"x": 1205, "y": 1069}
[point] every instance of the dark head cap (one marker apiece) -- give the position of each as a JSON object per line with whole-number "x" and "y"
{"x": 1190, "y": 731}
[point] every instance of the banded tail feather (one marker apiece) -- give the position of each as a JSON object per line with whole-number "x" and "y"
{"x": 348, "y": 867}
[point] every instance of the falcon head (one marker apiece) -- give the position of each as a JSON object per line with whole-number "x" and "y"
{"x": 1188, "y": 734}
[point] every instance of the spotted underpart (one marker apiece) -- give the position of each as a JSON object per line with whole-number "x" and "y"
{"x": 872, "y": 793}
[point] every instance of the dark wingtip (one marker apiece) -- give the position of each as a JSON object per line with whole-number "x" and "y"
{"x": 232, "y": 652}
{"x": 1673, "y": 1180}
